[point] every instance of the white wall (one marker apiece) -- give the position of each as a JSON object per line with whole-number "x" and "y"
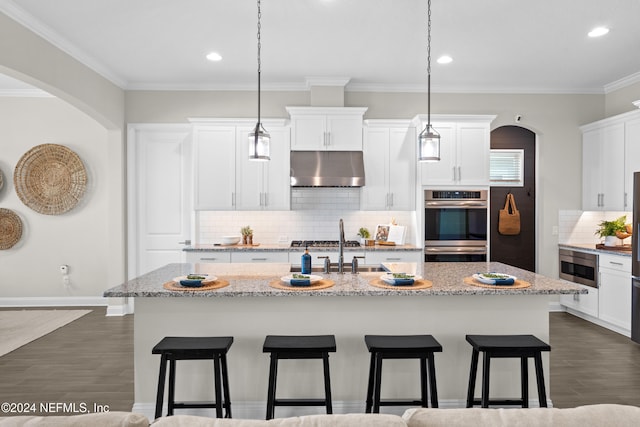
{"x": 78, "y": 238}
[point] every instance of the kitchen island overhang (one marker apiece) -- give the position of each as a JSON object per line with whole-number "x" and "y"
{"x": 352, "y": 308}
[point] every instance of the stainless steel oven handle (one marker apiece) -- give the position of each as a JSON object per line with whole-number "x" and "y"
{"x": 454, "y": 204}
{"x": 457, "y": 250}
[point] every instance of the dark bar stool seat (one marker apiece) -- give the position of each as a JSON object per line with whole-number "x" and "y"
{"x": 194, "y": 348}
{"x": 419, "y": 347}
{"x": 298, "y": 347}
{"x": 503, "y": 346}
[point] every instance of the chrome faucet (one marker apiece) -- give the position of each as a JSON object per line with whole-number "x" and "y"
{"x": 341, "y": 248}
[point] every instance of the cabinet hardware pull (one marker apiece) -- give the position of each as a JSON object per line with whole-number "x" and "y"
{"x": 258, "y": 259}
{"x": 266, "y": 199}
{"x": 208, "y": 259}
{"x": 459, "y": 173}
{"x": 616, "y": 263}
{"x": 186, "y": 242}
{"x": 393, "y": 259}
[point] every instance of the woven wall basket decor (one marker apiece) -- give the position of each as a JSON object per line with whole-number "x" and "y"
{"x": 50, "y": 179}
{"x": 10, "y": 228}
{"x": 1, "y": 180}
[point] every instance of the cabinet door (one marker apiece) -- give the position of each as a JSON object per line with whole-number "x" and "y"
{"x": 402, "y": 169}
{"x": 442, "y": 172}
{"x": 249, "y": 174}
{"x": 472, "y": 154}
{"x": 308, "y": 132}
{"x": 215, "y": 168}
{"x": 201, "y": 257}
{"x": 631, "y": 159}
{"x": 344, "y": 132}
{"x": 584, "y": 303}
{"x": 615, "y": 290}
{"x": 277, "y": 176}
{"x": 591, "y": 170}
{"x": 375, "y": 193}
{"x": 613, "y": 168}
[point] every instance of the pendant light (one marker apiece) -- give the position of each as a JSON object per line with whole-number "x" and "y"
{"x": 429, "y": 139}
{"x": 259, "y": 139}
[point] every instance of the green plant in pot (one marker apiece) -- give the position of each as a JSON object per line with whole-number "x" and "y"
{"x": 247, "y": 235}
{"x": 608, "y": 230}
{"x": 365, "y": 236}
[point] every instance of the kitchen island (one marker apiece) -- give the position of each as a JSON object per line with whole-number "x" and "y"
{"x": 249, "y": 308}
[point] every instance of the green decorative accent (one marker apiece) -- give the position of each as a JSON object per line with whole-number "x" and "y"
{"x": 364, "y": 233}
{"x": 609, "y": 228}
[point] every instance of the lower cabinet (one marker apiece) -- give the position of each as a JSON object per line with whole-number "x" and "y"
{"x": 584, "y": 303}
{"x": 615, "y": 290}
{"x": 198, "y": 257}
{"x": 610, "y": 304}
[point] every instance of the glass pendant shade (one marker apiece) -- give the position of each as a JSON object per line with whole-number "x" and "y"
{"x": 429, "y": 145}
{"x": 259, "y": 141}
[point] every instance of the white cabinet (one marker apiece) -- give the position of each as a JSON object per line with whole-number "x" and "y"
{"x": 263, "y": 185}
{"x": 201, "y": 257}
{"x": 631, "y": 159}
{"x": 224, "y": 177}
{"x": 390, "y": 166}
{"x": 610, "y": 156}
{"x": 260, "y": 257}
{"x": 603, "y": 168}
{"x": 584, "y": 303}
{"x": 464, "y": 150}
{"x": 615, "y": 290}
{"x": 326, "y": 128}
{"x": 380, "y": 257}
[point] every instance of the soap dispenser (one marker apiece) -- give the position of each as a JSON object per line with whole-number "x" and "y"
{"x": 306, "y": 262}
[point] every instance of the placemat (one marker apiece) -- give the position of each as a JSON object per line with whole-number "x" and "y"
{"x": 216, "y": 284}
{"x": 320, "y": 284}
{"x": 519, "y": 284}
{"x": 417, "y": 284}
{"x": 10, "y": 228}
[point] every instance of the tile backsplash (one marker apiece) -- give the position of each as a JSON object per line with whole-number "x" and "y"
{"x": 314, "y": 216}
{"x": 578, "y": 227}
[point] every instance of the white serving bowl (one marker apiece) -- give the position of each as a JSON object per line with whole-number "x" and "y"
{"x": 229, "y": 240}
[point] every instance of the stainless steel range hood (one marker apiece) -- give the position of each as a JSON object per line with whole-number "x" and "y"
{"x": 327, "y": 169}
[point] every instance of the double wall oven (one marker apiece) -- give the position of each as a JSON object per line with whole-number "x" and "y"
{"x": 455, "y": 225}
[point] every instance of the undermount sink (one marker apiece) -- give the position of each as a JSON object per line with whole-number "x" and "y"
{"x": 346, "y": 269}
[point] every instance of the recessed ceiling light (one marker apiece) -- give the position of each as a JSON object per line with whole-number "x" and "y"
{"x": 214, "y": 56}
{"x": 598, "y": 31}
{"x": 445, "y": 59}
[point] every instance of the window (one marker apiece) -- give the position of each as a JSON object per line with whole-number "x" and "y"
{"x": 507, "y": 168}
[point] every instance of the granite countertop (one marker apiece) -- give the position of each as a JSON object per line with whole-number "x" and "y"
{"x": 252, "y": 280}
{"x": 592, "y": 248}
{"x": 276, "y": 247}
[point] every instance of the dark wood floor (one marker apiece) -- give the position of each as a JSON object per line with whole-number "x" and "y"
{"x": 91, "y": 361}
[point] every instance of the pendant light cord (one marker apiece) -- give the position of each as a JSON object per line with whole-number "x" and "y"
{"x": 259, "y": 63}
{"x": 429, "y": 62}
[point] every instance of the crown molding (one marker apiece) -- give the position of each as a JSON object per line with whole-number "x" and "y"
{"x": 13, "y": 11}
{"x": 24, "y": 93}
{"x": 622, "y": 83}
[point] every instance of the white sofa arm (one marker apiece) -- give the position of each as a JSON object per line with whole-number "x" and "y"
{"x": 337, "y": 420}
{"x": 103, "y": 419}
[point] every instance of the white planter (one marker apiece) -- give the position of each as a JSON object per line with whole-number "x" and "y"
{"x": 610, "y": 240}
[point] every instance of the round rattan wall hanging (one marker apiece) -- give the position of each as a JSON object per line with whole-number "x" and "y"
{"x": 10, "y": 228}
{"x": 50, "y": 179}
{"x": 1, "y": 180}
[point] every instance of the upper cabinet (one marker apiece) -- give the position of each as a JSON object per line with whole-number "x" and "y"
{"x": 464, "y": 150}
{"x": 326, "y": 128}
{"x": 225, "y": 178}
{"x": 610, "y": 156}
{"x": 390, "y": 165}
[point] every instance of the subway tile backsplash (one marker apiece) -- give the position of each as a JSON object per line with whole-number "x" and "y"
{"x": 579, "y": 227}
{"x": 314, "y": 215}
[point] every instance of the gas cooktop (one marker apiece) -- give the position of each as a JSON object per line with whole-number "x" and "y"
{"x": 323, "y": 243}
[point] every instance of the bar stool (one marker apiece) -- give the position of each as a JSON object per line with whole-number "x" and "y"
{"x": 298, "y": 347}
{"x": 401, "y": 347}
{"x": 194, "y": 348}
{"x": 503, "y": 346}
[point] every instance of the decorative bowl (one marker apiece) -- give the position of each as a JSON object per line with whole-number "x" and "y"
{"x": 399, "y": 279}
{"x": 229, "y": 240}
{"x": 194, "y": 280}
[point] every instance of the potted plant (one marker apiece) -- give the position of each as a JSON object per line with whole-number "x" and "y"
{"x": 247, "y": 235}
{"x": 365, "y": 236}
{"x": 608, "y": 230}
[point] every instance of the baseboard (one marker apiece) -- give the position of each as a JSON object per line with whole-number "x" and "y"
{"x": 257, "y": 410}
{"x": 599, "y": 322}
{"x": 555, "y": 306}
{"x": 53, "y": 302}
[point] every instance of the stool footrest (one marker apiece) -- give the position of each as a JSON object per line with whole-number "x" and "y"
{"x": 179, "y": 405}
{"x": 514, "y": 402}
{"x": 299, "y": 402}
{"x": 399, "y": 402}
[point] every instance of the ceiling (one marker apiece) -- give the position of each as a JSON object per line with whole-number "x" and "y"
{"x": 502, "y": 46}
